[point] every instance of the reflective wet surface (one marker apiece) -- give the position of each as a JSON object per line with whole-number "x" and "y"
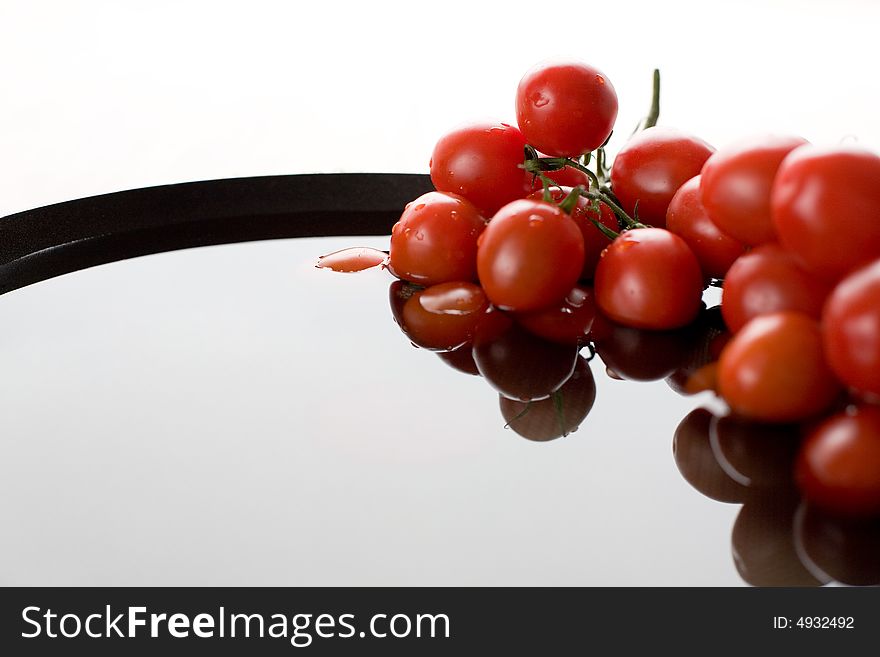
{"x": 233, "y": 415}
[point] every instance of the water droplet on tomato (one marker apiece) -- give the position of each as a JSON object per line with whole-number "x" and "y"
{"x": 539, "y": 100}
{"x": 420, "y": 206}
{"x": 600, "y": 79}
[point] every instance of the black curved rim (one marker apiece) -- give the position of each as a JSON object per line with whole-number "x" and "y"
{"x": 39, "y": 244}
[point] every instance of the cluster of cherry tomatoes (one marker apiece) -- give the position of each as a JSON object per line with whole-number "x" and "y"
{"x": 532, "y": 226}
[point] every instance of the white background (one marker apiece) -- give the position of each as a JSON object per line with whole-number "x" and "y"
{"x": 100, "y": 96}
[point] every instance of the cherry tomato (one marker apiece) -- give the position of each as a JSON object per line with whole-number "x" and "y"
{"x": 399, "y": 293}
{"x": 482, "y": 163}
{"x": 522, "y": 366}
{"x": 566, "y": 109}
{"x": 736, "y": 185}
{"x": 651, "y": 167}
{"x": 435, "y": 240}
{"x": 851, "y": 325}
{"x": 774, "y": 370}
{"x": 568, "y": 322}
{"x": 443, "y": 317}
{"x": 530, "y": 256}
{"x": 649, "y": 278}
{"x": 557, "y": 416}
{"x": 838, "y": 468}
{"x": 582, "y": 214}
{"x": 770, "y": 279}
{"x": 825, "y": 204}
{"x": 687, "y": 218}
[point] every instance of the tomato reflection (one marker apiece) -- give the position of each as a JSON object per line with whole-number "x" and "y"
{"x": 777, "y": 539}
{"x": 847, "y": 551}
{"x": 763, "y": 544}
{"x": 642, "y": 355}
{"x": 557, "y": 416}
{"x": 547, "y": 390}
{"x": 523, "y": 367}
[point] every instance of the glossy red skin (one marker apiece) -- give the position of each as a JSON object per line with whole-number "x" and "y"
{"x": 530, "y": 256}
{"x": 482, "y": 163}
{"x": 435, "y": 240}
{"x": 826, "y": 207}
{"x": 522, "y": 366}
{"x": 568, "y": 322}
{"x": 540, "y": 420}
{"x": 444, "y": 317}
{"x": 687, "y": 218}
{"x": 774, "y": 370}
{"x": 566, "y": 109}
{"x": 651, "y": 167}
{"x": 770, "y": 279}
{"x": 851, "y": 329}
{"x": 594, "y": 241}
{"x": 736, "y": 183}
{"x": 649, "y": 278}
{"x": 838, "y": 468}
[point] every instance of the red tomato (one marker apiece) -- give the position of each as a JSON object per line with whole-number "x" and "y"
{"x": 826, "y": 204}
{"x": 736, "y": 186}
{"x": 766, "y": 280}
{"x": 651, "y": 167}
{"x": 851, "y": 325}
{"x": 566, "y": 109}
{"x": 444, "y": 317}
{"x": 838, "y": 467}
{"x": 687, "y": 218}
{"x": 435, "y": 240}
{"x": 557, "y": 416}
{"x": 567, "y": 322}
{"x": 482, "y": 163}
{"x": 774, "y": 370}
{"x": 649, "y": 278}
{"x": 522, "y": 366}
{"x": 530, "y": 256}
{"x": 594, "y": 241}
